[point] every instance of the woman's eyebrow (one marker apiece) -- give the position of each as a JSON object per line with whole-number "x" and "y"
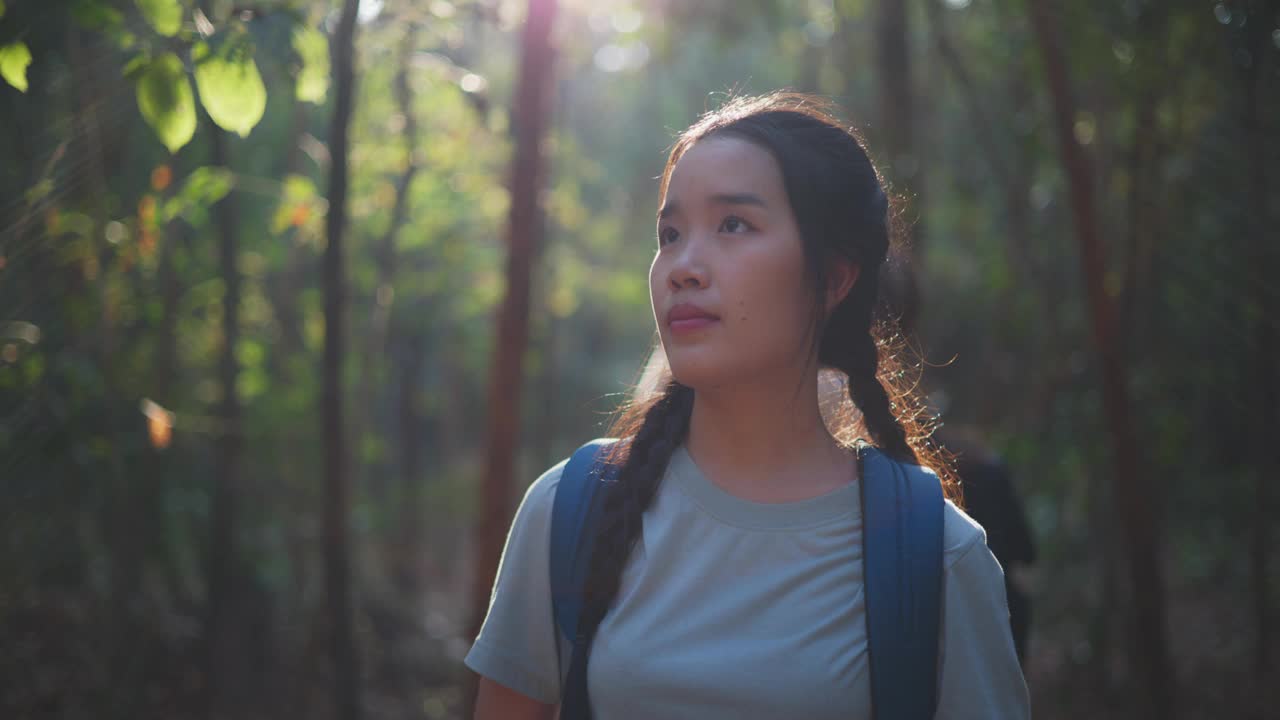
{"x": 671, "y": 208}
{"x": 738, "y": 199}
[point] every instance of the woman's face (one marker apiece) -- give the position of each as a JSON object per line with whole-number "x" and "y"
{"x": 730, "y": 294}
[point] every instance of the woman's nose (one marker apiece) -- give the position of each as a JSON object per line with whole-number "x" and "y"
{"x": 689, "y": 269}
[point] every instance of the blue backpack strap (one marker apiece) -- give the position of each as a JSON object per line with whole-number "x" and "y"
{"x": 902, "y": 554}
{"x": 572, "y": 530}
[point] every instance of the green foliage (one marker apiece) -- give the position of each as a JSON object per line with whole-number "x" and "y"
{"x": 202, "y": 188}
{"x": 312, "y": 49}
{"x": 230, "y": 86}
{"x": 301, "y": 205}
{"x": 96, "y": 15}
{"x": 165, "y": 99}
{"x": 164, "y": 16}
{"x": 14, "y": 59}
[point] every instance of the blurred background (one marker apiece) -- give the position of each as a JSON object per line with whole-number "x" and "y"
{"x": 297, "y": 297}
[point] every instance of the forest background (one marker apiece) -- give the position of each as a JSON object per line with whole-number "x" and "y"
{"x": 297, "y": 296}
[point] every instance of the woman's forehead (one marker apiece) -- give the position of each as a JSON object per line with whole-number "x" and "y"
{"x": 719, "y": 166}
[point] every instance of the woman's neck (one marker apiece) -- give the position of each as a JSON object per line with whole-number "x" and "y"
{"x": 767, "y": 442}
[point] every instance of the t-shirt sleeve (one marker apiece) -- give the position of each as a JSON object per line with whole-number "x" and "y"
{"x": 517, "y": 645}
{"x": 980, "y": 676}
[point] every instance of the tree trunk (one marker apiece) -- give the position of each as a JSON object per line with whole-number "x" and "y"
{"x": 897, "y": 117}
{"x": 221, "y": 633}
{"x": 1136, "y": 503}
{"x": 1265, "y": 330}
{"x": 1014, "y": 178}
{"x": 283, "y": 284}
{"x": 384, "y": 257}
{"x": 346, "y": 666}
{"x": 282, "y": 287}
{"x": 124, "y": 514}
{"x": 1144, "y": 160}
{"x": 408, "y": 552}
{"x": 523, "y": 236}
{"x": 544, "y": 432}
{"x": 1145, "y": 169}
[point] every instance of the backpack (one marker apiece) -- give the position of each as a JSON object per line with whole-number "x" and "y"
{"x": 902, "y": 556}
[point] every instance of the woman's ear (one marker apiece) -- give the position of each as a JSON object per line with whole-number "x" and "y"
{"x": 842, "y": 275}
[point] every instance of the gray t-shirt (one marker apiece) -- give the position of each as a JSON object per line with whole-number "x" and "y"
{"x": 732, "y": 609}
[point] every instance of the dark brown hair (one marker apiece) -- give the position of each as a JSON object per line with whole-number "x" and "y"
{"x": 843, "y": 213}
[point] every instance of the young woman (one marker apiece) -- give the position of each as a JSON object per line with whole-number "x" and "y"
{"x": 728, "y": 553}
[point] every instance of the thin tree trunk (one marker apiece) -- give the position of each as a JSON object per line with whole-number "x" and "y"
{"x": 897, "y": 116}
{"x": 89, "y": 97}
{"x": 384, "y": 253}
{"x": 123, "y": 516}
{"x": 523, "y": 236}
{"x": 292, "y": 147}
{"x": 346, "y": 666}
{"x": 282, "y": 287}
{"x": 544, "y": 432}
{"x": 849, "y": 48}
{"x": 1137, "y": 505}
{"x": 1143, "y": 170}
{"x": 224, "y": 515}
{"x": 166, "y": 377}
{"x": 408, "y": 553}
{"x": 1014, "y": 180}
{"x": 1265, "y": 330}
{"x": 1013, "y": 189}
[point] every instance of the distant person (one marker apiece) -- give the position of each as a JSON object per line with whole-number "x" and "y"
{"x": 727, "y": 578}
{"x": 991, "y": 498}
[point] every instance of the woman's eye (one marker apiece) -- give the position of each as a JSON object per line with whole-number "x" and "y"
{"x": 667, "y": 235}
{"x": 734, "y": 224}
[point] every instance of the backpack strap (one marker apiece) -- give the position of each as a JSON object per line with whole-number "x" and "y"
{"x": 902, "y": 555}
{"x": 573, "y": 516}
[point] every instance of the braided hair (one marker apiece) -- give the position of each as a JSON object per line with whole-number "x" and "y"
{"x": 844, "y": 214}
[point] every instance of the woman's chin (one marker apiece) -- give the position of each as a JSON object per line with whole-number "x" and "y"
{"x": 696, "y": 372}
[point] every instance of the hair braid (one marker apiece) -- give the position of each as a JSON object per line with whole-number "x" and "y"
{"x": 869, "y": 394}
{"x": 850, "y": 345}
{"x": 644, "y": 459}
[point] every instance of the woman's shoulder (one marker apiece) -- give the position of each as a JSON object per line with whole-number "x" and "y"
{"x": 541, "y": 493}
{"x": 960, "y": 534}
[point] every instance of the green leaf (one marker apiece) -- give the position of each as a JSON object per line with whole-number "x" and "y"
{"x": 166, "y": 101}
{"x": 14, "y": 59}
{"x": 75, "y": 223}
{"x": 1, "y": 8}
{"x": 39, "y": 191}
{"x": 300, "y": 204}
{"x": 125, "y": 40}
{"x": 163, "y": 15}
{"x": 96, "y": 15}
{"x": 231, "y": 89}
{"x": 207, "y": 185}
{"x": 136, "y": 64}
{"x": 313, "y": 78}
{"x": 202, "y": 188}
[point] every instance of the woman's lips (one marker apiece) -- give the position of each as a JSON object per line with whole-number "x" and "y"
{"x": 681, "y": 326}
{"x": 686, "y": 317}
